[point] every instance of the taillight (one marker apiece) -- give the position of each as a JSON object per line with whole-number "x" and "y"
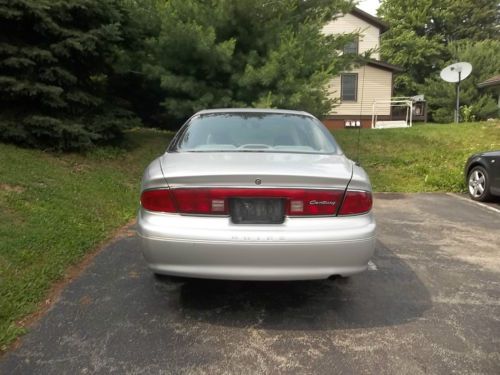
{"x": 201, "y": 201}
{"x": 158, "y": 200}
{"x": 356, "y": 203}
{"x": 216, "y": 201}
{"x": 298, "y": 201}
{"x": 314, "y": 202}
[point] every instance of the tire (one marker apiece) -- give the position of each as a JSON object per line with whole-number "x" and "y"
{"x": 478, "y": 184}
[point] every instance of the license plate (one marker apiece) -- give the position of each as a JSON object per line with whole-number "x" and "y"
{"x": 257, "y": 210}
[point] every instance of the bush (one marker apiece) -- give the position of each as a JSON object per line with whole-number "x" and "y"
{"x": 442, "y": 116}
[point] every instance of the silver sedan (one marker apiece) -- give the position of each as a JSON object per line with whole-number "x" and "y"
{"x": 255, "y": 195}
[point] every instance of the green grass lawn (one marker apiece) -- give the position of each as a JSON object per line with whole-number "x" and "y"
{"x": 58, "y": 207}
{"x": 427, "y": 157}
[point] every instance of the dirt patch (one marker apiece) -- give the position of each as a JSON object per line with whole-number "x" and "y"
{"x": 79, "y": 168}
{"x": 85, "y": 300}
{"x": 12, "y": 188}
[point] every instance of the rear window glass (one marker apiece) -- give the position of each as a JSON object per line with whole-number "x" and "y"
{"x": 259, "y": 132}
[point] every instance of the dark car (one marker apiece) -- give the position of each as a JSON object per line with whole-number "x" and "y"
{"x": 482, "y": 173}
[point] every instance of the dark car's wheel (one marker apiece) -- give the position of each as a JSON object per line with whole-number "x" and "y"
{"x": 479, "y": 184}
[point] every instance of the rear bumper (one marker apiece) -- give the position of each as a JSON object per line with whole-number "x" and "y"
{"x": 299, "y": 249}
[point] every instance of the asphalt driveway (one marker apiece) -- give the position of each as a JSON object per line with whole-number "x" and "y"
{"x": 430, "y": 303}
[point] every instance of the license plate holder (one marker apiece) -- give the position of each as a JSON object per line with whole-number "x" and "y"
{"x": 257, "y": 210}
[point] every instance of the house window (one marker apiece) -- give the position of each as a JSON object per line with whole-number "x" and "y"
{"x": 349, "y": 86}
{"x": 352, "y": 47}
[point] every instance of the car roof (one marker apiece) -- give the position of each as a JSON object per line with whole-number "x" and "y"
{"x": 252, "y": 110}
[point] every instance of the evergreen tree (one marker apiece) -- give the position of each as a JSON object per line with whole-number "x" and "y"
{"x": 142, "y": 94}
{"x": 227, "y": 53}
{"x": 71, "y": 70}
{"x": 55, "y": 60}
{"x": 481, "y": 104}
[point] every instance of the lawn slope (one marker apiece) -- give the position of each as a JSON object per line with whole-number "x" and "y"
{"x": 422, "y": 158}
{"x": 57, "y": 207}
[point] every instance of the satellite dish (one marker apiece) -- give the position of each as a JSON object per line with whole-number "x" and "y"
{"x": 455, "y": 73}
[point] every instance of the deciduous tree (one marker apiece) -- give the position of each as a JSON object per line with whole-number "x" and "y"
{"x": 421, "y": 30}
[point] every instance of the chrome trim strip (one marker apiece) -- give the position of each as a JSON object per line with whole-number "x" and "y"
{"x": 181, "y": 186}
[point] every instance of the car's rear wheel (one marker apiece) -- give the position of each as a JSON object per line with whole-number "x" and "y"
{"x": 479, "y": 184}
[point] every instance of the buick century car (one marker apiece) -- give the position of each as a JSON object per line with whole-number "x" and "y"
{"x": 253, "y": 194}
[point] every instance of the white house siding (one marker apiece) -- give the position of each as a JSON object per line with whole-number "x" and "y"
{"x": 377, "y": 86}
{"x": 369, "y": 34}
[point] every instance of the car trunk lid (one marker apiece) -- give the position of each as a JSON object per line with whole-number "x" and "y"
{"x": 251, "y": 169}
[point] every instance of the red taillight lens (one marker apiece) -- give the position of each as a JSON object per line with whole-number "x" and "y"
{"x": 356, "y": 202}
{"x": 158, "y": 200}
{"x": 206, "y": 201}
{"x": 201, "y": 201}
{"x": 299, "y": 202}
{"x": 314, "y": 202}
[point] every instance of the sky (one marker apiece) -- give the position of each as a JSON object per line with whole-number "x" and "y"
{"x": 369, "y": 6}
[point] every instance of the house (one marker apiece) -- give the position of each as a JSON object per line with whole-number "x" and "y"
{"x": 493, "y": 84}
{"x": 360, "y": 89}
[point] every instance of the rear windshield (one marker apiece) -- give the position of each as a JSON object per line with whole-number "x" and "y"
{"x": 257, "y": 132}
